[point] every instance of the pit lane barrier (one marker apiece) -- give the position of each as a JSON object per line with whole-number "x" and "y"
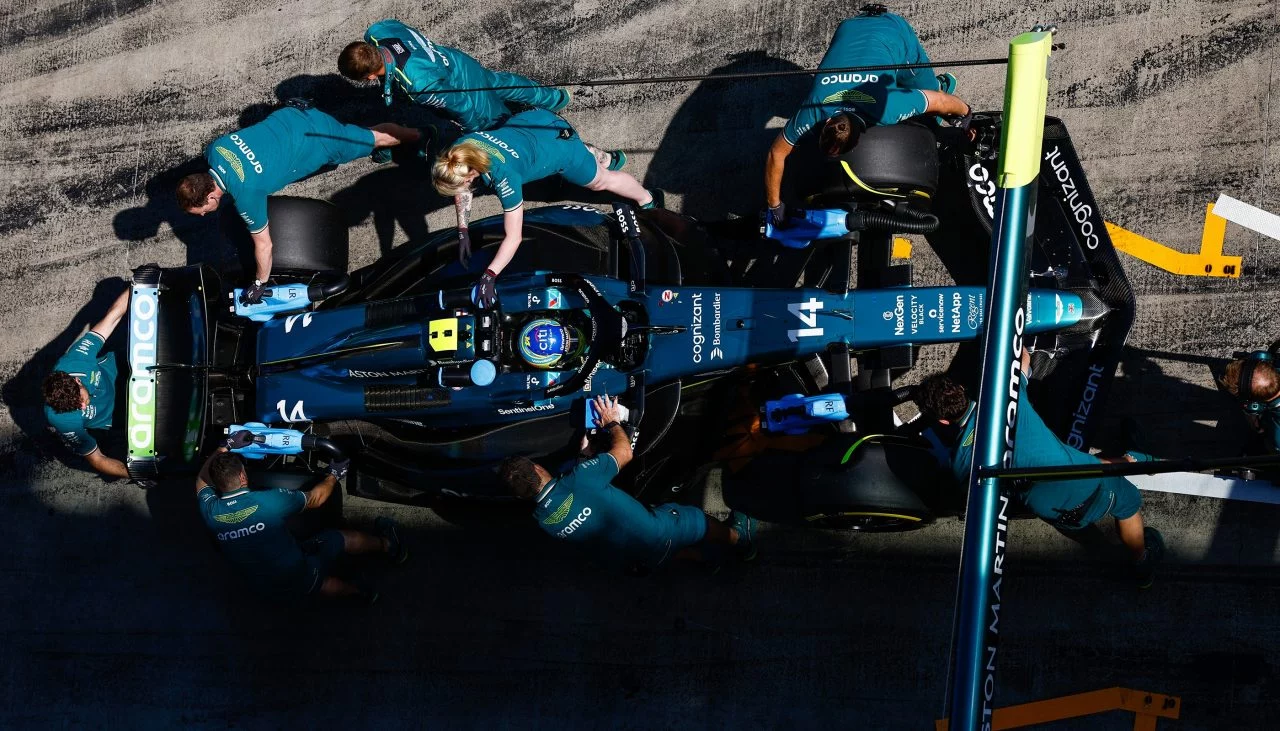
{"x": 1147, "y": 709}
{"x": 1209, "y": 261}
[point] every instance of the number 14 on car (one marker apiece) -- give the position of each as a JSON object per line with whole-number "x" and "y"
{"x": 808, "y": 314}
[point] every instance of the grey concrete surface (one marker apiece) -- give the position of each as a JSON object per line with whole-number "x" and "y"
{"x": 117, "y": 613}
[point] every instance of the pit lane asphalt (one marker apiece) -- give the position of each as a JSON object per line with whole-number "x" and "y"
{"x": 116, "y": 611}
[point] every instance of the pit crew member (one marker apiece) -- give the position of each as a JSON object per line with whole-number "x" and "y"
{"x": 844, "y": 104}
{"x": 1260, "y": 399}
{"x": 1069, "y": 505}
{"x": 249, "y": 526}
{"x": 80, "y": 393}
{"x": 583, "y": 508}
{"x": 427, "y": 73}
{"x": 531, "y": 146}
{"x": 289, "y": 145}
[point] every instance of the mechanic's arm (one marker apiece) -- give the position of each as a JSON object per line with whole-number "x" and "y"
{"x": 773, "y": 168}
{"x": 607, "y": 416}
{"x": 512, "y": 235}
{"x": 940, "y": 102}
{"x": 319, "y": 494}
{"x": 262, "y": 253}
{"x": 202, "y": 480}
{"x": 462, "y": 206}
{"x": 105, "y": 465}
{"x": 107, "y": 324}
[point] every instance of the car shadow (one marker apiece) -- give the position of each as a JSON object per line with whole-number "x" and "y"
{"x": 23, "y": 397}
{"x": 714, "y": 149}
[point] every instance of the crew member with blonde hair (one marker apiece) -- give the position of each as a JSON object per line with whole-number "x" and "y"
{"x": 531, "y": 146}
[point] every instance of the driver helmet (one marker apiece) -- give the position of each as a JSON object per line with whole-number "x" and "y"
{"x": 544, "y": 342}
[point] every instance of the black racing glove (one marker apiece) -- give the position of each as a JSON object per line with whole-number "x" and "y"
{"x": 964, "y": 122}
{"x": 338, "y": 468}
{"x": 238, "y": 439}
{"x": 252, "y": 295}
{"x": 486, "y": 293}
{"x": 464, "y": 246}
{"x": 778, "y": 214}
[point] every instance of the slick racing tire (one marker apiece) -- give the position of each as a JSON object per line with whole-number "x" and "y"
{"x": 872, "y": 485}
{"x": 306, "y": 236}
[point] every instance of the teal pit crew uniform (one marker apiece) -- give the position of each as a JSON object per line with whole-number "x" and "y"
{"x": 531, "y": 146}
{"x": 250, "y": 529}
{"x": 97, "y": 373}
{"x": 423, "y": 69}
{"x": 1067, "y": 504}
{"x": 583, "y": 508}
{"x": 290, "y": 144}
{"x": 874, "y": 97}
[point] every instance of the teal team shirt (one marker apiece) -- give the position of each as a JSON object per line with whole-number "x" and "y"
{"x": 531, "y": 146}
{"x": 875, "y": 97}
{"x": 250, "y": 529}
{"x": 290, "y": 144}
{"x": 1035, "y": 445}
{"x": 583, "y": 508}
{"x": 424, "y": 70}
{"x": 97, "y": 373}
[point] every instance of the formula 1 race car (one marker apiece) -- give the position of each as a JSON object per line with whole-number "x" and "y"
{"x": 396, "y": 367}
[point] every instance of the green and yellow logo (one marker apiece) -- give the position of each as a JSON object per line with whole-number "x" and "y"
{"x": 850, "y": 96}
{"x": 238, "y": 516}
{"x": 233, "y": 161}
{"x": 561, "y": 513}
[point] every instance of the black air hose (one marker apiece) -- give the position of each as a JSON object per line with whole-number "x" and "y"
{"x": 317, "y": 292}
{"x": 908, "y": 221}
{"x": 311, "y": 442}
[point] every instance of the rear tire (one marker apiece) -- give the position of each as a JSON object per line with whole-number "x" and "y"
{"x": 307, "y": 236}
{"x": 871, "y": 485}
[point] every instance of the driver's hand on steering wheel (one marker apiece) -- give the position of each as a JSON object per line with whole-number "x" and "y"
{"x": 606, "y": 410}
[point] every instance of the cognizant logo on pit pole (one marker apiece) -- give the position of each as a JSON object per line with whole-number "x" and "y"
{"x": 144, "y": 317}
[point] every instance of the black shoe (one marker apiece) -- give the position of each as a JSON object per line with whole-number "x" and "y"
{"x": 1145, "y": 570}
{"x": 659, "y": 199}
{"x": 397, "y": 551}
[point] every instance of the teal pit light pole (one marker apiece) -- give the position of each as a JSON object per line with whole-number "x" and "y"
{"x": 976, "y": 631}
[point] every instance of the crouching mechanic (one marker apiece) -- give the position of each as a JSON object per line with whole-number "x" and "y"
{"x": 431, "y": 75}
{"x": 1069, "y": 505}
{"x": 80, "y": 393}
{"x": 582, "y": 507}
{"x": 846, "y": 103}
{"x": 249, "y": 526}
{"x": 289, "y": 145}
{"x": 531, "y": 146}
{"x": 1254, "y": 382}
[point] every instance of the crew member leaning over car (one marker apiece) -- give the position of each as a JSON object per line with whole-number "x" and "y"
{"x": 80, "y": 393}
{"x": 289, "y": 145}
{"x": 1069, "y": 505}
{"x": 583, "y": 508}
{"x": 1260, "y": 399}
{"x": 843, "y": 104}
{"x": 249, "y": 526}
{"x": 394, "y": 52}
{"x": 531, "y": 146}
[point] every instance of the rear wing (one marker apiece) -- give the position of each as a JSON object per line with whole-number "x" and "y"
{"x": 168, "y": 363}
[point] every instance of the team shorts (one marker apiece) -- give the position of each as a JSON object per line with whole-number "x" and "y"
{"x": 322, "y": 551}
{"x": 678, "y": 526}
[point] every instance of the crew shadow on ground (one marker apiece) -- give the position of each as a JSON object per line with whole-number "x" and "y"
{"x": 713, "y": 151}
{"x": 22, "y": 393}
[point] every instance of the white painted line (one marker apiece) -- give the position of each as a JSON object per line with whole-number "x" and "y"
{"x": 1251, "y": 217}
{"x": 1200, "y": 485}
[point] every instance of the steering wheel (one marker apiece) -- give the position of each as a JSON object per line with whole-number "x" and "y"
{"x": 608, "y": 328}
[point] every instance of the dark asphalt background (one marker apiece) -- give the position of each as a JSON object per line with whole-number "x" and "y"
{"x": 116, "y": 612}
